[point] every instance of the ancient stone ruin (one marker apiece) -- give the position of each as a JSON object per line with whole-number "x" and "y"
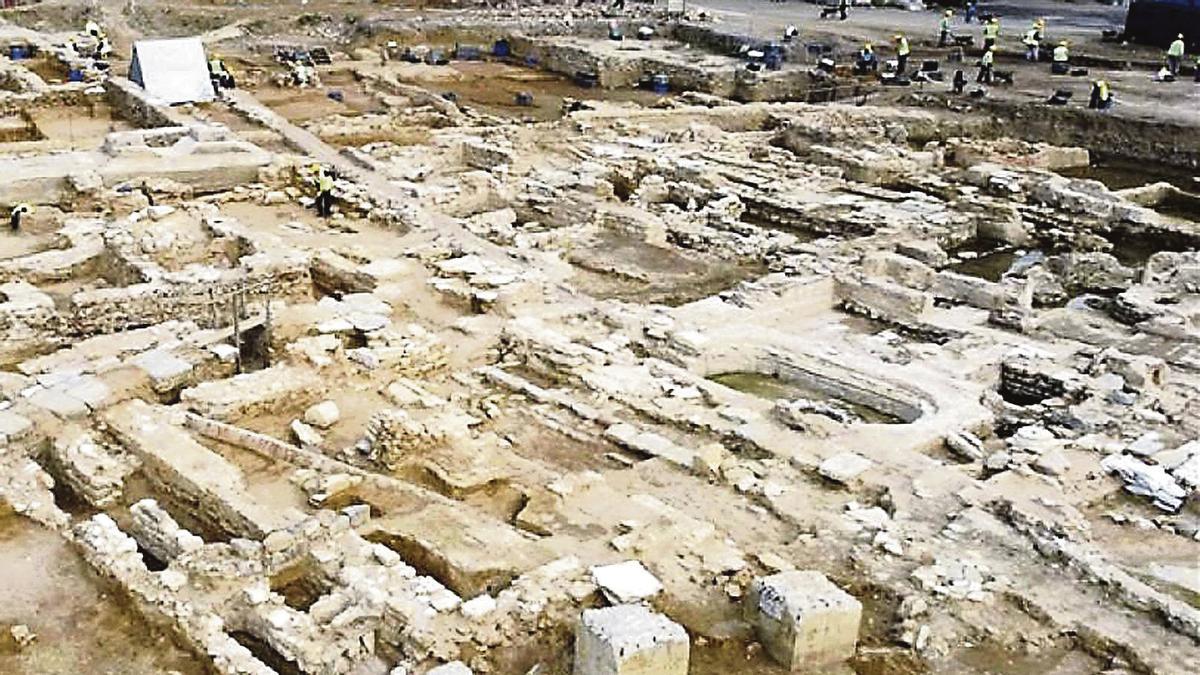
{"x": 690, "y": 352}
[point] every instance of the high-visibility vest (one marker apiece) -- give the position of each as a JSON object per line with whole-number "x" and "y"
{"x": 902, "y": 49}
{"x": 216, "y": 66}
{"x": 944, "y": 24}
{"x": 991, "y": 30}
{"x": 1060, "y": 54}
{"x": 1176, "y": 49}
{"x": 1031, "y": 37}
{"x": 1103, "y": 90}
{"x": 324, "y": 183}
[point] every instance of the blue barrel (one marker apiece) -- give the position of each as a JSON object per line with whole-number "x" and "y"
{"x": 660, "y": 84}
{"x": 74, "y": 75}
{"x": 501, "y": 49}
{"x": 17, "y": 53}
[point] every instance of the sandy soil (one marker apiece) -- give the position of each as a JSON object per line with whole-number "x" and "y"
{"x": 81, "y": 626}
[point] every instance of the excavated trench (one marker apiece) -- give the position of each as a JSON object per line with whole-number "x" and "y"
{"x": 774, "y": 387}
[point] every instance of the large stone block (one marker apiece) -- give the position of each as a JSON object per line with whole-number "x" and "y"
{"x": 630, "y": 640}
{"x": 803, "y": 619}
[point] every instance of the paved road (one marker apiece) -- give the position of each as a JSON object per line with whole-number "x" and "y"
{"x": 1080, "y": 23}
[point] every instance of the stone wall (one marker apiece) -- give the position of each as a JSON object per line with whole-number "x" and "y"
{"x": 129, "y": 102}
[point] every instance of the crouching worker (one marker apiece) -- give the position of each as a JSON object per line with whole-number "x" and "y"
{"x": 15, "y": 216}
{"x": 985, "y": 67}
{"x": 219, "y": 74}
{"x": 1061, "y": 63}
{"x": 1102, "y": 98}
{"x": 866, "y": 61}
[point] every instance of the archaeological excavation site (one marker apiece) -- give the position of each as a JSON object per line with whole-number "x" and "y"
{"x": 598, "y": 338}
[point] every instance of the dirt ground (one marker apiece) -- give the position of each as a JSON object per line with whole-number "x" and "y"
{"x": 80, "y": 625}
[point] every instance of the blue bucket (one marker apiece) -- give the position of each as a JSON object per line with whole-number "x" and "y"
{"x": 660, "y": 84}
{"x": 501, "y": 49}
{"x": 18, "y": 53}
{"x": 74, "y": 75}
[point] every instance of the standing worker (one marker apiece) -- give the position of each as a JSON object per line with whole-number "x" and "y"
{"x": 991, "y": 32}
{"x": 104, "y": 48}
{"x": 944, "y": 28}
{"x": 324, "y": 192}
{"x": 1175, "y": 54}
{"x": 985, "y": 67}
{"x": 1061, "y": 64}
{"x": 14, "y": 217}
{"x": 1032, "y": 42}
{"x": 902, "y": 52}
{"x": 972, "y": 9}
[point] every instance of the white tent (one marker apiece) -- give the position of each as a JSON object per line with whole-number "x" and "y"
{"x": 174, "y": 71}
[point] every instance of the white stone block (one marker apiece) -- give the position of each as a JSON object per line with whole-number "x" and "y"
{"x": 844, "y": 467}
{"x": 626, "y": 582}
{"x": 803, "y": 620}
{"x": 322, "y": 415}
{"x": 630, "y": 640}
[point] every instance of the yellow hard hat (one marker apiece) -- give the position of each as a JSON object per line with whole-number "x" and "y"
{"x": 1062, "y": 44}
{"x": 949, "y": 12}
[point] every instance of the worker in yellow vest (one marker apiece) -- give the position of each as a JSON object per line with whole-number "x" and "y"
{"x": 1175, "y": 54}
{"x": 944, "y": 28}
{"x": 991, "y": 32}
{"x": 1061, "y": 59}
{"x": 1033, "y": 43}
{"x": 324, "y": 201}
{"x": 1101, "y": 98}
{"x": 902, "y": 52}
